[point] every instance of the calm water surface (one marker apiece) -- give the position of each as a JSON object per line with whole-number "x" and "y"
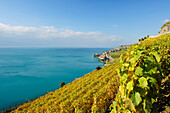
{"x": 27, "y": 73}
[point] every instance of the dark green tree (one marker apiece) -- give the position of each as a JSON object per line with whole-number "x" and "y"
{"x": 147, "y": 36}
{"x": 62, "y": 84}
{"x": 98, "y": 68}
{"x": 139, "y": 40}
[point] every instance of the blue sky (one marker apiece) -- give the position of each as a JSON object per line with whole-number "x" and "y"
{"x": 79, "y": 23}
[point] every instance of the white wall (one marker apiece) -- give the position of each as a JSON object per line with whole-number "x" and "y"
{"x": 165, "y": 29}
{"x": 153, "y": 36}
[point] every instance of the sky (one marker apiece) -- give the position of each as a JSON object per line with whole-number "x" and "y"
{"x": 79, "y": 23}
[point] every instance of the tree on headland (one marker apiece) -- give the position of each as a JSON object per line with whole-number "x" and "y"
{"x": 147, "y": 36}
{"x": 142, "y": 39}
{"x": 139, "y": 40}
{"x": 62, "y": 84}
{"x": 98, "y": 68}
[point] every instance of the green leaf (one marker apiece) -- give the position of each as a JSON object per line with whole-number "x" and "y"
{"x": 124, "y": 78}
{"x": 139, "y": 71}
{"x": 140, "y": 51}
{"x": 150, "y": 59}
{"x": 132, "y": 52}
{"x": 127, "y": 111}
{"x": 153, "y": 70}
{"x": 130, "y": 85}
{"x": 118, "y": 70}
{"x": 122, "y": 90}
{"x": 136, "y": 57}
{"x": 129, "y": 104}
{"x": 152, "y": 80}
{"x": 148, "y": 67}
{"x": 121, "y": 101}
{"x": 126, "y": 64}
{"x": 122, "y": 68}
{"x": 156, "y": 56}
{"x": 142, "y": 91}
{"x": 113, "y": 104}
{"x": 136, "y": 98}
{"x": 147, "y": 106}
{"x": 131, "y": 68}
{"x": 143, "y": 82}
{"x": 153, "y": 100}
{"x": 113, "y": 110}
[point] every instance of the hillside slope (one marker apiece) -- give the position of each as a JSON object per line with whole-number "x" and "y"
{"x": 93, "y": 92}
{"x": 142, "y": 82}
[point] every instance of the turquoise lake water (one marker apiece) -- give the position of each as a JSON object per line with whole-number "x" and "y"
{"x": 27, "y": 73}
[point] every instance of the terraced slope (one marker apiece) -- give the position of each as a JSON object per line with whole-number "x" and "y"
{"x": 93, "y": 92}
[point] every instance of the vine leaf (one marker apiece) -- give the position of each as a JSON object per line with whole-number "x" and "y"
{"x": 129, "y": 104}
{"x": 130, "y": 85}
{"x": 152, "y": 100}
{"x": 114, "y": 107}
{"x": 143, "y": 82}
{"x": 131, "y": 68}
{"x": 135, "y": 58}
{"x": 146, "y": 106}
{"x": 124, "y": 77}
{"x": 156, "y": 56}
{"x": 139, "y": 71}
{"x": 152, "y": 80}
{"x": 136, "y": 98}
{"x": 126, "y": 64}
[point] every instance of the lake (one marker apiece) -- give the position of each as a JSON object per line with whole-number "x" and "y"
{"x": 27, "y": 73}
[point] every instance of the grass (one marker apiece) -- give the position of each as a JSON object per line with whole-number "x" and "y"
{"x": 115, "y": 56}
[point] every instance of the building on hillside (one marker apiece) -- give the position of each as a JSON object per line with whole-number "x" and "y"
{"x": 165, "y": 28}
{"x": 103, "y": 58}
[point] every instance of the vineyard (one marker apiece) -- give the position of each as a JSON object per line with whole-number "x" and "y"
{"x": 93, "y": 92}
{"x": 139, "y": 82}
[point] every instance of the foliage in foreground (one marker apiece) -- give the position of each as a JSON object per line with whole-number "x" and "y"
{"x": 144, "y": 77}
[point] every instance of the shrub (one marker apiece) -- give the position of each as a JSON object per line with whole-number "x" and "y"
{"x": 147, "y": 36}
{"x": 98, "y": 68}
{"x": 62, "y": 84}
